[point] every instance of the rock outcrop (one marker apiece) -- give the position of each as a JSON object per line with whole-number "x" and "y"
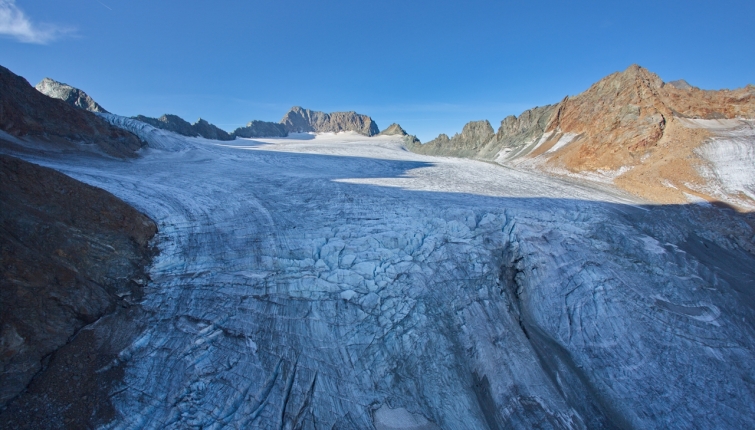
{"x": 257, "y": 128}
{"x": 180, "y": 126}
{"x": 468, "y": 143}
{"x": 72, "y": 96}
{"x": 300, "y": 120}
{"x": 71, "y": 253}
{"x": 629, "y": 128}
{"x": 28, "y": 114}
{"x": 393, "y": 130}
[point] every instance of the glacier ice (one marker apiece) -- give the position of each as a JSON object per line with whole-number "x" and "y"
{"x": 338, "y": 281}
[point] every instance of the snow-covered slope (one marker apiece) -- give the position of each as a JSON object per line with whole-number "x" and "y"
{"x": 338, "y": 281}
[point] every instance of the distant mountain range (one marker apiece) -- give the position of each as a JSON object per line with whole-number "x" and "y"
{"x": 296, "y": 120}
{"x": 630, "y": 129}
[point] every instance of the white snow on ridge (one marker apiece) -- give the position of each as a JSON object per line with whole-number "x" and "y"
{"x": 731, "y": 154}
{"x": 562, "y": 141}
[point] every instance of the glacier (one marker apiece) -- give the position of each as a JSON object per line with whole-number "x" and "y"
{"x": 340, "y": 281}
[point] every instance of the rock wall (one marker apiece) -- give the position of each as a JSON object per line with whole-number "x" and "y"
{"x": 300, "y": 120}
{"x": 176, "y": 124}
{"x": 27, "y": 113}
{"x": 71, "y": 254}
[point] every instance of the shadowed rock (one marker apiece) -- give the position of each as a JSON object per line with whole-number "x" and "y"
{"x": 28, "y": 114}
{"x": 257, "y": 128}
{"x": 178, "y": 125}
{"x": 71, "y": 253}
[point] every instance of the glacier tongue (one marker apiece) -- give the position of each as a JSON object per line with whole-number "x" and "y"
{"x": 337, "y": 281}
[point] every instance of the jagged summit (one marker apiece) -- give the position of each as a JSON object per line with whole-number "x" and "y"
{"x": 394, "y": 130}
{"x": 300, "y": 120}
{"x": 68, "y": 94}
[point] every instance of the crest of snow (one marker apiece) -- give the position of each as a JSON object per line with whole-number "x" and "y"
{"x": 730, "y": 172}
{"x": 563, "y": 141}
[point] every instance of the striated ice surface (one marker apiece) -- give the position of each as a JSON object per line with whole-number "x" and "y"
{"x": 338, "y": 281}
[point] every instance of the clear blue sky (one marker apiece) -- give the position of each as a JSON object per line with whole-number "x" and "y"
{"x": 429, "y": 65}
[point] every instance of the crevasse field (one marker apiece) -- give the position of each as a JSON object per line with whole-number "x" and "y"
{"x": 339, "y": 281}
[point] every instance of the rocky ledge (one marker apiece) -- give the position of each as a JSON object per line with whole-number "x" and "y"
{"x": 73, "y": 257}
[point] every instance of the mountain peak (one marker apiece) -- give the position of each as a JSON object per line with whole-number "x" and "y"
{"x": 300, "y": 120}
{"x": 71, "y": 95}
{"x": 394, "y": 130}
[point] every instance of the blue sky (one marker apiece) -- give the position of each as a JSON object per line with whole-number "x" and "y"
{"x": 430, "y": 66}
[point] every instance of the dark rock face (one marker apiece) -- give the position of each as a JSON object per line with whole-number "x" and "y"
{"x": 394, "y": 130}
{"x": 257, "y": 128}
{"x": 71, "y": 253}
{"x": 25, "y": 112}
{"x": 72, "y": 96}
{"x": 300, "y": 120}
{"x": 169, "y": 122}
{"x": 178, "y": 125}
{"x": 210, "y": 131}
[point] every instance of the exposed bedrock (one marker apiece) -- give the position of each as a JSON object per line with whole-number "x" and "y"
{"x": 300, "y": 120}
{"x": 256, "y": 128}
{"x": 631, "y": 129}
{"x": 28, "y": 114}
{"x": 73, "y": 96}
{"x": 180, "y": 126}
{"x": 71, "y": 254}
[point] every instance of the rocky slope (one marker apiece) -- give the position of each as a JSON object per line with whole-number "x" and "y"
{"x": 72, "y": 96}
{"x": 300, "y": 120}
{"x": 631, "y": 129}
{"x": 28, "y": 114}
{"x": 71, "y": 254}
{"x": 178, "y": 125}
{"x": 257, "y": 128}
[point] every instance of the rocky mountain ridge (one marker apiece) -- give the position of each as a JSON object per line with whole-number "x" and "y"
{"x": 300, "y": 120}
{"x": 28, "y": 114}
{"x": 68, "y": 94}
{"x": 630, "y": 128}
{"x": 178, "y": 125}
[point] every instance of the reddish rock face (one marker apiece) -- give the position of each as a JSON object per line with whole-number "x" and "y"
{"x": 24, "y": 111}
{"x": 70, "y": 253}
{"x": 626, "y": 114}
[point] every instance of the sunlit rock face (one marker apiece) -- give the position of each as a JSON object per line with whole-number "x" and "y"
{"x": 340, "y": 281}
{"x": 300, "y": 120}
{"x": 72, "y": 96}
{"x": 631, "y": 130}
